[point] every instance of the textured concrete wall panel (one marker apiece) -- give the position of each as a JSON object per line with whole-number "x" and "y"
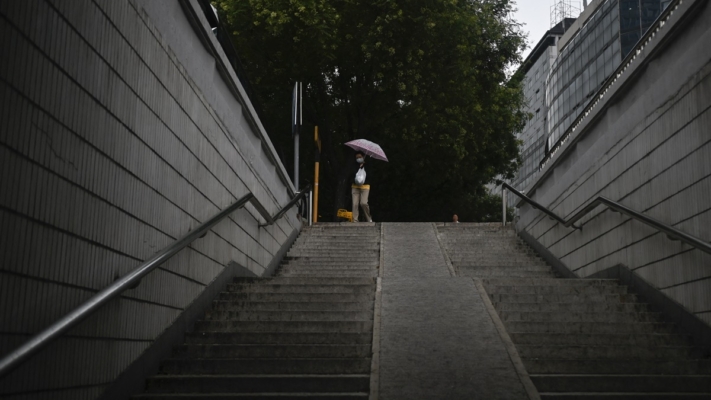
{"x": 118, "y": 134}
{"x": 650, "y": 151}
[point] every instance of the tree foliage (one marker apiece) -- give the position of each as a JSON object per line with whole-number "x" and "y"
{"x": 423, "y": 78}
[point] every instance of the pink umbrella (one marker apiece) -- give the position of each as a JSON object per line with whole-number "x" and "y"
{"x": 369, "y": 148}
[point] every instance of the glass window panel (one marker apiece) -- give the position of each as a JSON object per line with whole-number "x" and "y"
{"x": 608, "y": 66}
{"x": 649, "y": 12}
{"x": 599, "y": 42}
{"x": 628, "y": 40}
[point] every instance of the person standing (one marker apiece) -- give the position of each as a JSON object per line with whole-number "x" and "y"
{"x": 360, "y": 190}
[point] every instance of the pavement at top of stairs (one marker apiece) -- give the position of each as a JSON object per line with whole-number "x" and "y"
{"x": 437, "y": 340}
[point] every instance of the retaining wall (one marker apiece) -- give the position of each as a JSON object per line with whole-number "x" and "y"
{"x": 647, "y": 145}
{"x": 121, "y": 128}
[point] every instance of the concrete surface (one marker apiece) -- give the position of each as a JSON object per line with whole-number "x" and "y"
{"x": 437, "y": 339}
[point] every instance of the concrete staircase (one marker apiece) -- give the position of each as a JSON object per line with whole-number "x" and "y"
{"x": 304, "y": 333}
{"x": 578, "y": 338}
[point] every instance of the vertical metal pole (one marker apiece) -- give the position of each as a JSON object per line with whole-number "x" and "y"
{"x": 503, "y": 203}
{"x": 297, "y": 128}
{"x": 316, "y": 168}
{"x": 296, "y": 159}
{"x": 311, "y": 207}
{"x": 316, "y": 192}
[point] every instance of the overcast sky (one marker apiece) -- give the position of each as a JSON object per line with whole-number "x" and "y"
{"x": 536, "y": 17}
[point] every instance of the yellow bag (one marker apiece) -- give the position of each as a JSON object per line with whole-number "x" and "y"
{"x": 345, "y": 214}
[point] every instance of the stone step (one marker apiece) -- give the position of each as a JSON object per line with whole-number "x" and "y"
{"x": 346, "y": 241}
{"x": 563, "y": 298}
{"x": 583, "y": 352}
{"x": 492, "y": 261}
{"x": 338, "y": 226}
{"x": 490, "y": 272}
{"x": 623, "y": 396}
{"x": 284, "y": 326}
{"x": 262, "y": 315}
{"x": 329, "y": 272}
{"x": 258, "y": 383}
{"x": 221, "y": 305}
{"x": 252, "y": 396}
{"x": 332, "y": 264}
{"x": 286, "y": 280}
{"x": 599, "y": 339}
{"x": 297, "y": 297}
{"x": 588, "y": 327}
{"x": 278, "y": 338}
{"x": 335, "y": 266}
{"x": 276, "y": 288}
{"x": 472, "y": 228}
{"x": 203, "y": 351}
{"x": 267, "y": 366}
{"x": 573, "y": 307}
{"x": 500, "y": 265}
{"x": 556, "y": 316}
{"x": 497, "y": 261}
{"x": 489, "y": 254}
{"x": 351, "y": 259}
{"x": 490, "y": 248}
{"x": 320, "y": 251}
{"x": 463, "y": 237}
{"x": 489, "y": 282}
{"x": 355, "y": 235}
{"x": 557, "y": 289}
{"x": 623, "y": 383}
{"x": 347, "y": 238}
{"x": 606, "y": 366}
{"x": 531, "y": 267}
{"x": 340, "y": 253}
{"x": 494, "y": 245}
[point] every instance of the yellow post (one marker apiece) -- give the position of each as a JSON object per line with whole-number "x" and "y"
{"x": 316, "y": 168}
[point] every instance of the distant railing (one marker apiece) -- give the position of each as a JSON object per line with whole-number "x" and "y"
{"x": 671, "y": 232}
{"x": 133, "y": 279}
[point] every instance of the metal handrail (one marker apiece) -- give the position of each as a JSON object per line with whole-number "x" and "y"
{"x": 131, "y": 280}
{"x": 671, "y": 232}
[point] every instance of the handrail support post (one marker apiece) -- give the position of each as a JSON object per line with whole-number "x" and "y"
{"x": 503, "y": 203}
{"x": 311, "y": 205}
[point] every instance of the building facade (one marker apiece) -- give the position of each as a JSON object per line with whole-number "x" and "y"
{"x": 536, "y": 68}
{"x": 644, "y": 143}
{"x": 589, "y": 52}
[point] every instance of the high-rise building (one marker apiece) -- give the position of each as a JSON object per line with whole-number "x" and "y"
{"x": 536, "y": 68}
{"x": 589, "y": 52}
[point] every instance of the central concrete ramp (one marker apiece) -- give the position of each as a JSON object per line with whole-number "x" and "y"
{"x": 437, "y": 340}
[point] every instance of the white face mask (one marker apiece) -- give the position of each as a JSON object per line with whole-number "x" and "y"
{"x": 359, "y": 160}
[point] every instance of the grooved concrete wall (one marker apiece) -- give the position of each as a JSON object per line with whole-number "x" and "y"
{"x": 650, "y": 150}
{"x": 118, "y": 134}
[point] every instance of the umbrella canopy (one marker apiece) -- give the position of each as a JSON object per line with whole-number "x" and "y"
{"x": 369, "y": 148}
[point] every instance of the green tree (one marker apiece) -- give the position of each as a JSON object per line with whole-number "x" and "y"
{"x": 423, "y": 78}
